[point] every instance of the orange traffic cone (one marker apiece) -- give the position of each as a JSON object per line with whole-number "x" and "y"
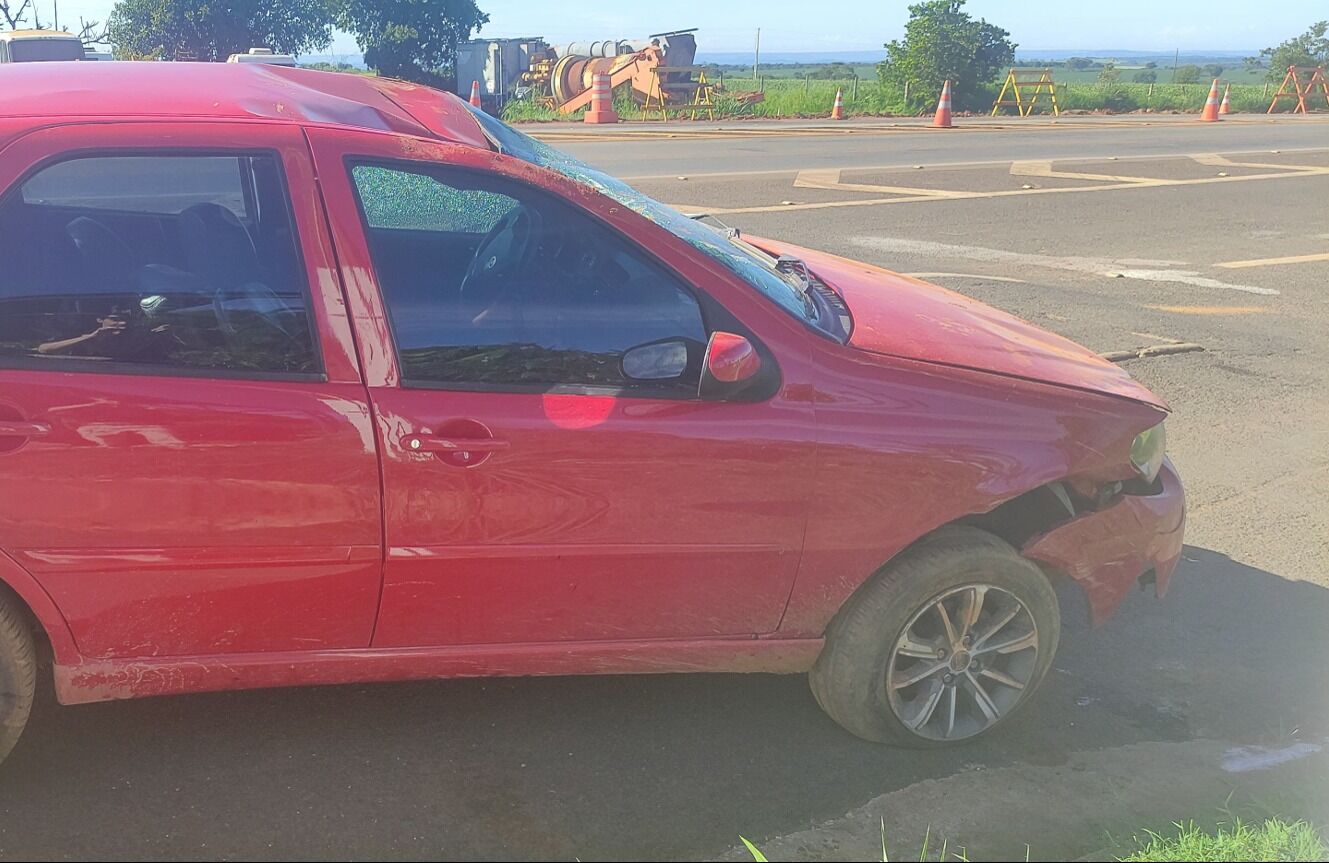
{"x": 1226, "y": 106}
{"x": 943, "y": 118}
{"x": 475, "y": 93}
{"x": 602, "y": 101}
{"x": 1210, "y": 114}
{"x": 837, "y": 112}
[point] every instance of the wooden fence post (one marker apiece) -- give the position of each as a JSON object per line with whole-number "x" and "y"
{"x": 906, "y": 91}
{"x": 855, "y": 96}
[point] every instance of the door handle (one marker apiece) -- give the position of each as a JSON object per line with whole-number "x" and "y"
{"x": 23, "y": 429}
{"x": 443, "y": 445}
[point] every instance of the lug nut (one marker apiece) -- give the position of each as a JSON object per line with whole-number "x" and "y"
{"x": 948, "y": 678}
{"x": 968, "y": 641}
{"x": 941, "y": 653}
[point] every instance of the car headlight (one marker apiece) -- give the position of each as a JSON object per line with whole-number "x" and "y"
{"x": 1147, "y": 452}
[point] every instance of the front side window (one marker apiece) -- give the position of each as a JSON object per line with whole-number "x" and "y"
{"x": 165, "y": 263}
{"x": 493, "y": 284}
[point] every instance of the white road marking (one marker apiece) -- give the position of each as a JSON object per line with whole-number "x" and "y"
{"x": 1077, "y": 264}
{"x": 1270, "y": 262}
{"x": 982, "y": 276}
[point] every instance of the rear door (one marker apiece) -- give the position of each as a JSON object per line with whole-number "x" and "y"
{"x": 577, "y": 505}
{"x": 186, "y": 455}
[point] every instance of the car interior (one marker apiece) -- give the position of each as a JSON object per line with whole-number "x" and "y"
{"x": 205, "y": 279}
{"x": 518, "y": 288}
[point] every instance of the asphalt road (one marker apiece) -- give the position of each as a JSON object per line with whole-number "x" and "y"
{"x": 1140, "y": 723}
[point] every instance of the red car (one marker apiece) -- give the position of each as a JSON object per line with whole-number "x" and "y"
{"x": 310, "y": 378}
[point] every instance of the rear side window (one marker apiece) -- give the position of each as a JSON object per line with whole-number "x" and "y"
{"x": 154, "y": 263}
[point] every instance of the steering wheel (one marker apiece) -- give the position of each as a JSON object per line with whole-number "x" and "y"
{"x": 254, "y": 297}
{"x": 504, "y": 252}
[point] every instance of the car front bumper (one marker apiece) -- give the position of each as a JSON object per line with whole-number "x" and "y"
{"x": 1107, "y": 551}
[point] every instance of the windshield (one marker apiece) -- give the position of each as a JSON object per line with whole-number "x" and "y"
{"x": 753, "y": 266}
{"x": 37, "y": 50}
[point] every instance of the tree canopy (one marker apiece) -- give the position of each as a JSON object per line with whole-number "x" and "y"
{"x": 942, "y": 42}
{"x": 169, "y": 29}
{"x": 1309, "y": 49}
{"x": 415, "y": 40}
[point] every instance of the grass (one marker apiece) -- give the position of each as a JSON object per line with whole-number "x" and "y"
{"x": 1273, "y": 840}
{"x": 800, "y": 98}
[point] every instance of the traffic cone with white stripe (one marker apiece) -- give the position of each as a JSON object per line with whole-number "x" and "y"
{"x": 602, "y": 101}
{"x": 475, "y": 93}
{"x": 943, "y": 118}
{"x": 1210, "y": 114}
{"x": 1226, "y": 106}
{"x": 837, "y": 112}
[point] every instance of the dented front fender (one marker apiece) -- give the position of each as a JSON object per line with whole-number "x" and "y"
{"x": 1107, "y": 551}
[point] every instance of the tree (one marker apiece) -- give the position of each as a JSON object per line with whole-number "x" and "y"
{"x": 1110, "y": 74}
{"x": 415, "y": 40}
{"x": 941, "y": 42}
{"x": 1188, "y": 74}
{"x": 1213, "y": 70}
{"x": 169, "y": 29}
{"x": 1309, "y": 49}
{"x": 1079, "y": 64}
{"x": 18, "y": 14}
{"x": 1145, "y": 76}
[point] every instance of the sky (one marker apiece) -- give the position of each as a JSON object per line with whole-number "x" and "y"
{"x": 856, "y": 25}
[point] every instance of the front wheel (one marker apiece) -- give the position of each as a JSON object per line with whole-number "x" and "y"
{"x": 941, "y": 645}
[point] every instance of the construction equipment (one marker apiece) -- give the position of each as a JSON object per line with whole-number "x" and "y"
{"x": 658, "y": 69}
{"x": 1033, "y": 88}
{"x": 1304, "y": 81}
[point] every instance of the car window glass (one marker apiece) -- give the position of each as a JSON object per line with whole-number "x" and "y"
{"x": 397, "y": 199}
{"x": 502, "y": 285}
{"x": 174, "y": 184}
{"x": 195, "y": 268}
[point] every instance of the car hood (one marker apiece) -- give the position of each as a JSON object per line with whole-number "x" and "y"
{"x": 898, "y": 316}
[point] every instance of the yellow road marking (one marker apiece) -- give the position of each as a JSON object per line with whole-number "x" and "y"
{"x": 1220, "y": 161}
{"x": 1211, "y": 310}
{"x": 1043, "y": 168}
{"x": 1269, "y": 262}
{"x": 942, "y": 195}
{"x": 829, "y": 178}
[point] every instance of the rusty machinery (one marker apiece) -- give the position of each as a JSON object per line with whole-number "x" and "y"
{"x": 652, "y": 67}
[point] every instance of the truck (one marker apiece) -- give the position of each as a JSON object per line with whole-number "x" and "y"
{"x": 36, "y": 46}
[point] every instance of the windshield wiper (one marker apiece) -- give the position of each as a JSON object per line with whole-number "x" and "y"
{"x": 792, "y": 266}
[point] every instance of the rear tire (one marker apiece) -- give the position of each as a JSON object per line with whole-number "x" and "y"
{"x": 18, "y": 673}
{"x": 941, "y": 645}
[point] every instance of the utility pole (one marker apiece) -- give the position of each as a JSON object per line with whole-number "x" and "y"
{"x": 1175, "y": 61}
{"x": 756, "y": 55}
{"x": 55, "y": 4}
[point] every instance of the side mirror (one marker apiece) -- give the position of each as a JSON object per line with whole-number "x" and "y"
{"x": 657, "y": 361}
{"x": 730, "y": 366}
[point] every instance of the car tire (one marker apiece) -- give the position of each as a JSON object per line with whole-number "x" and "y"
{"x": 924, "y": 600}
{"x": 18, "y": 673}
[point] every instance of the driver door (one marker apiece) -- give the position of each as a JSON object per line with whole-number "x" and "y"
{"x": 533, "y": 492}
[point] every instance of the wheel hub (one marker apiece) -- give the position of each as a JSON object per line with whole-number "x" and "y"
{"x": 962, "y": 662}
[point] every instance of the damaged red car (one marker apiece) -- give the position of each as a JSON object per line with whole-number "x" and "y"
{"x": 310, "y": 378}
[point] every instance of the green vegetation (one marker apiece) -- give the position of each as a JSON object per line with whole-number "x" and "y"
{"x": 169, "y": 29}
{"x": 410, "y": 39}
{"x": 1273, "y": 840}
{"x": 943, "y": 43}
{"x": 1309, "y": 49}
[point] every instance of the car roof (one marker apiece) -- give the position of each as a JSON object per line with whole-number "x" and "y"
{"x": 232, "y": 91}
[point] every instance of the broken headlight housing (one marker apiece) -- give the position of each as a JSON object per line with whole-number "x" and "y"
{"x": 1147, "y": 452}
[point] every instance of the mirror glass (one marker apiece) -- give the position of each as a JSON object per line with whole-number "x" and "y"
{"x": 659, "y": 361}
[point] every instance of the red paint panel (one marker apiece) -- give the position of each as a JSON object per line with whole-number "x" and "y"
{"x": 903, "y": 317}
{"x": 103, "y": 681}
{"x": 1107, "y": 551}
{"x": 190, "y": 515}
{"x": 906, "y": 447}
